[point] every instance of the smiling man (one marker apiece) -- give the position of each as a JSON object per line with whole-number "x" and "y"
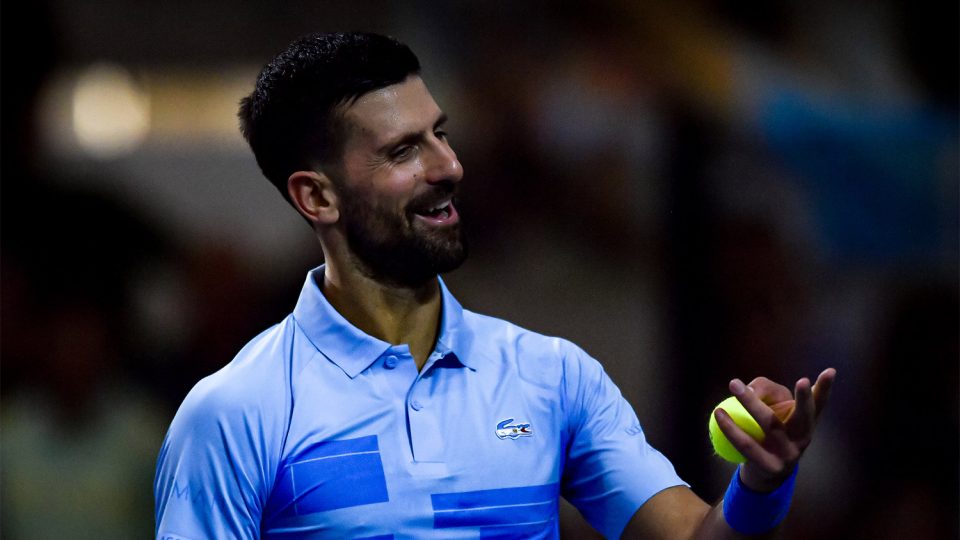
{"x": 380, "y": 408}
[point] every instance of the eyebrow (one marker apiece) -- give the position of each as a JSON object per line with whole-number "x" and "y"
{"x": 408, "y": 138}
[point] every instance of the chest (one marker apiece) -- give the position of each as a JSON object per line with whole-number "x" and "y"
{"x": 449, "y": 453}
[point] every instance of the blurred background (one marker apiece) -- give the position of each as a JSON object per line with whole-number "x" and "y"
{"x": 692, "y": 191}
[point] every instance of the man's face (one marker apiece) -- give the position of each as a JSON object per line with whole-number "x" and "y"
{"x": 399, "y": 177}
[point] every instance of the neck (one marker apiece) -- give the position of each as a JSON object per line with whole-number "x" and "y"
{"x": 393, "y": 314}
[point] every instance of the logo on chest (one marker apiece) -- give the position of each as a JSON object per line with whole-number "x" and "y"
{"x": 508, "y": 430}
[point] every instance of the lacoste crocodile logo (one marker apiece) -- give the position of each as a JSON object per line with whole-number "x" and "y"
{"x": 507, "y": 430}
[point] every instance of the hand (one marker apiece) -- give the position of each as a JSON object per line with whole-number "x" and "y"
{"x": 788, "y": 420}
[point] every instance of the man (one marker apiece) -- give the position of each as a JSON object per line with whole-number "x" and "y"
{"x": 380, "y": 408}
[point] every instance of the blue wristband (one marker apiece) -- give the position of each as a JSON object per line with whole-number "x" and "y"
{"x": 751, "y": 512}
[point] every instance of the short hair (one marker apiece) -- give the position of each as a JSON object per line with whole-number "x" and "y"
{"x": 292, "y": 119}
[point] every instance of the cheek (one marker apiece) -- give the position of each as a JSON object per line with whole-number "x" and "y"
{"x": 400, "y": 185}
{"x": 389, "y": 185}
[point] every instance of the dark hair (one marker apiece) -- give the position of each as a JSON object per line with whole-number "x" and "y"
{"x": 292, "y": 118}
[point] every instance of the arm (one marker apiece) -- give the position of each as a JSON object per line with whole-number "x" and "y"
{"x": 212, "y": 473}
{"x": 788, "y": 424}
{"x": 610, "y": 470}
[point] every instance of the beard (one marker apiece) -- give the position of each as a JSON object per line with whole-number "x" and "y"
{"x": 396, "y": 248}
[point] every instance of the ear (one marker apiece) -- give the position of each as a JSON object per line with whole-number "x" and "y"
{"x": 313, "y": 195}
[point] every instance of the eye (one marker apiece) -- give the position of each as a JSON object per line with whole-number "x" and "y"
{"x": 402, "y": 153}
{"x": 440, "y": 134}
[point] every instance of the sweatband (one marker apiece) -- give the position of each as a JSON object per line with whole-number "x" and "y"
{"x": 751, "y": 512}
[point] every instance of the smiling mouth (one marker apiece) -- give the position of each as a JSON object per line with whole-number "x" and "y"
{"x": 441, "y": 210}
{"x": 442, "y": 213}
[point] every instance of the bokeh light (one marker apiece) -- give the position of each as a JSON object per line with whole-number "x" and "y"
{"x": 111, "y": 113}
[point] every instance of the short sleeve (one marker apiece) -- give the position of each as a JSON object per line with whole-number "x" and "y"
{"x": 213, "y": 473}
{"x": 610, "y": 469}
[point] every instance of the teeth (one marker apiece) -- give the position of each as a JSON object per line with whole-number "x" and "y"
{"x": 439, "y": 207}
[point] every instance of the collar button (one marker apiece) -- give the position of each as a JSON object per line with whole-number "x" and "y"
{"x": 390, "y": 362}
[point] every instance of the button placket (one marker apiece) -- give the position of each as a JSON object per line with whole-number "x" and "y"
{"x": 426, "y": 440}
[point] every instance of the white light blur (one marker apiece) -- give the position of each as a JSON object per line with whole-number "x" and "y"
{"x": 111, "y": 113}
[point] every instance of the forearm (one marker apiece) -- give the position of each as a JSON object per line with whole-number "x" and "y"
{"x": 678, "y": 513}
{"x": 715, "y": 527}
{"x": 746, "y": 513}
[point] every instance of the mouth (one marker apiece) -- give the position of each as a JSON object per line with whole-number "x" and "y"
{"x": 442, "y": 213}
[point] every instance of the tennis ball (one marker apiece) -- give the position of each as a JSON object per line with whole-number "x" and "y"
{"x": 742, "y": 418}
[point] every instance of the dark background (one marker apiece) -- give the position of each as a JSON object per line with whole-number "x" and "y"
{"x": 692, "y": 191}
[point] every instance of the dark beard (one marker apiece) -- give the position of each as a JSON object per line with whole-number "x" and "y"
{"x": 390, "y": 249}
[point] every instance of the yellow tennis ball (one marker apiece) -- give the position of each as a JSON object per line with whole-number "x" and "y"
{"x": 742, "y": 418}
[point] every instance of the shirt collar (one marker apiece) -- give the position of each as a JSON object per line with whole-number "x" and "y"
{"x": 350, "y": 348}
{"x": 454, "y": 335}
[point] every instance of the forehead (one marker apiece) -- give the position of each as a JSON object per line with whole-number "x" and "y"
{"x": 393, "y": 111}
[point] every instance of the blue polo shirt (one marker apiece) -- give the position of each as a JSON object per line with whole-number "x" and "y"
{"x": 317, "y": 430}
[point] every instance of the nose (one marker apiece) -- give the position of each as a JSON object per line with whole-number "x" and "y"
{"x": 443, "y": 165}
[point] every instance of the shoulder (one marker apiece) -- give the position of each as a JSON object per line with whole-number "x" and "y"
{"x": 238, "y": 414}
{"x": 219, "y": 458}
{"x": 540, "y": 359}
{"x": 252, "y": 385}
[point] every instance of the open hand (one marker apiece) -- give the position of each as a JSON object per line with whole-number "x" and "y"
{"x": 788, "y": 420}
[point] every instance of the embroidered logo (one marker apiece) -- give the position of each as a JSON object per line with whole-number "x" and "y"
{"x": 506, "y": 429}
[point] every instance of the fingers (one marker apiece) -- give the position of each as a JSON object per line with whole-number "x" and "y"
{"x": 821, "y": 390}
{"x": 751, "y": 401}
{"x": 770, "y": 392}
{"x": 801, "y": 422}
{"x": 787, "y": 419}
{"x": 745, "y": 444}
{"x": 776, "y": 396}
{"x": 782, "y": 414}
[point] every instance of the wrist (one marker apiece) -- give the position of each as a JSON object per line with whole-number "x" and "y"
{"x": 749, "y": 511}
{"x": 760, "y": 481}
